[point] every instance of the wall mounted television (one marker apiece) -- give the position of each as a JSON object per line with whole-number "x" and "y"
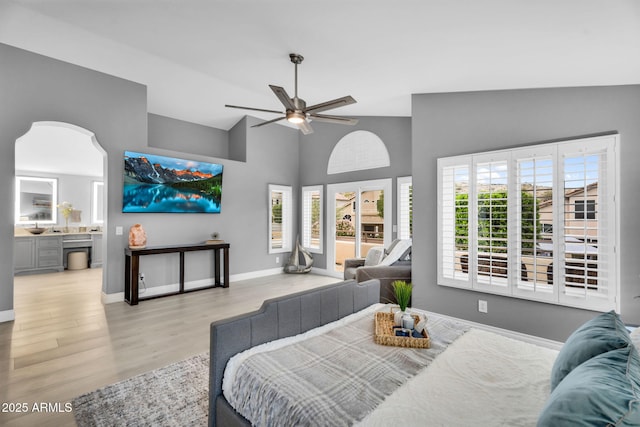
{"x": 155, "y": 183}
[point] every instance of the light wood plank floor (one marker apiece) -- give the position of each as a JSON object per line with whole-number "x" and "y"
{"x": 64, "y": 342}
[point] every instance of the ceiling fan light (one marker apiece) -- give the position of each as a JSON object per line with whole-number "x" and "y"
{"x": 295, "y": 117}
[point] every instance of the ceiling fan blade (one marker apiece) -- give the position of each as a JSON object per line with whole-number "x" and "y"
{"x": 340, "y": 102}
{"x": 268, "y": 122}
{"x": 305, "y": 127}
{"x": 333, "y": 119}
{"x": 283, "y": 97}
{"x": 254, "y": 109}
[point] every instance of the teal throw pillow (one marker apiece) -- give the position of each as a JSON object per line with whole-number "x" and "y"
{"x": 603, "y": 391}
{"x": 603, "y": 333}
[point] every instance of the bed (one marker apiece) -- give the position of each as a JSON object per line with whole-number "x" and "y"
{"x": 309, "y": 359}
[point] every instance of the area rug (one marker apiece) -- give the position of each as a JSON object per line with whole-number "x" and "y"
{"x": 175, "y": 395}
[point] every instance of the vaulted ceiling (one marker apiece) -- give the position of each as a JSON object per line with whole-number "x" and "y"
{"x": 197, "y": 55}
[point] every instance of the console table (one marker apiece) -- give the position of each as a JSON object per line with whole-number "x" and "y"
{"x": 132, "y": 267}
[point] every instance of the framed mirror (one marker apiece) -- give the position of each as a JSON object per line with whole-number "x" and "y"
{"x": 97, "y": 202}
{"x": 36, "y": 200}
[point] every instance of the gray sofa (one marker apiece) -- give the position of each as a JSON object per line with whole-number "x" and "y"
{"x": 363, "y": 269}
{"x": 278, "y": 318}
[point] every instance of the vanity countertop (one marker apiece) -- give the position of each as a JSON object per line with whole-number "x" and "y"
{"x": 22, "y": 232}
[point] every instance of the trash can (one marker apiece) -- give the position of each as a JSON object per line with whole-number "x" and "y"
{"x": 77, "y": 260}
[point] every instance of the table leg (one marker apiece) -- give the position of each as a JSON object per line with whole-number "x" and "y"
{"x": 226, "y": 268}
{"x": 135, "y": 274}
{"x": 181, "y": 272}
{"x": 216, "y": 267}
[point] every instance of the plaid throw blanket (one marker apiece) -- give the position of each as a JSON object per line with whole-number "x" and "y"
{"x": 334, "y": 379}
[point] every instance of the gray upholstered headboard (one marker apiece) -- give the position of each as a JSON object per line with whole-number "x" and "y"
{"x": 279, "y": 318}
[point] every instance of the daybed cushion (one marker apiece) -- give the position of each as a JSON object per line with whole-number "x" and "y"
{"x": 603, "y": 391}
{"x": 603, "y": 333}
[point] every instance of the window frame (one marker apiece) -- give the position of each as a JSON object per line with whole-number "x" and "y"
{"x": 306, "y": 218}
{"x": 603, "y": 297}
{"x": 287, "y": 217}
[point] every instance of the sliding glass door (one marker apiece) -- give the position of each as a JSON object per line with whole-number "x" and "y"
{"x": 359, "y": 218}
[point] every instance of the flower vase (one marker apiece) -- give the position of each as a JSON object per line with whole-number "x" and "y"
{"x": 403, "y": 319}
{"x": 66, "y": 224}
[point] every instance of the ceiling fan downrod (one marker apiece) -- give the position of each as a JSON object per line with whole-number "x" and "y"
{"x": 296, "y": 59}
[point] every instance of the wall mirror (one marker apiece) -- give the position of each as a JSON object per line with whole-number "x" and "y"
{"x": 36, "y": 200}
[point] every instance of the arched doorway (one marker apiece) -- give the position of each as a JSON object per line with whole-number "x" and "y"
{"x": 61, "y": 189}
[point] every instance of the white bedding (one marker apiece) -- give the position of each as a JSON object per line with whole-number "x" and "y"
{"x": 482, "y": 379}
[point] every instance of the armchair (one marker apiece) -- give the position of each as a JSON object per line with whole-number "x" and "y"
{"x": 387, "y": 266}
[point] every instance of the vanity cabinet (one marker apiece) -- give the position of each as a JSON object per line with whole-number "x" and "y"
{"x": 37, "y": 253}
{"x": 96, "y": 250}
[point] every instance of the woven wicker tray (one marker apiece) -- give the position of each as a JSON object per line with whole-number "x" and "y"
{"x": 384, "y": 333}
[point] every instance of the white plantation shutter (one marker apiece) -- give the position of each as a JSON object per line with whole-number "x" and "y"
{"x": 589, "y": 182}
{"x": 492, "y": 216}
{"x": 535, "y": 209}
{"x": 312, "y": 218}
{"x": 405, "y": 207}
{"x": 453, "y": 216}
{"x": 280, "y": 218}
{"x": 542, "y": 224}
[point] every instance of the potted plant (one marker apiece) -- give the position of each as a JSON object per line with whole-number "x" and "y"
{"x": 402, "y": 292}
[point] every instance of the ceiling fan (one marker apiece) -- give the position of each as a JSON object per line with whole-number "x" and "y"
{"x": 296, "y": 110}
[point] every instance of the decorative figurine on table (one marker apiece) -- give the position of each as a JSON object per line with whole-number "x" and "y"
{"x": 137, "y": 237}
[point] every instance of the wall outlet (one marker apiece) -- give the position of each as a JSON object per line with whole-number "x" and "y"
{"x": 119, "y": 230}
{"x": 277, "y": 260}
{"x": 482, "y": 306}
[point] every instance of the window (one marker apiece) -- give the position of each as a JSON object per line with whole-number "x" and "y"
{"x": 537, "y": 222}
{"x": 280, "y": 216}
{"x": 405, "y": 207}
{"x": 580, "y": 211}
{"x": 312, "y": 218}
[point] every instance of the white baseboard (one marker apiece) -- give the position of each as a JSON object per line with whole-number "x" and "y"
{"x": 112, "y": 298}
{"x": 7, "y": 316}
{"x": 196, "y": 284}
{"x": 255, "y": 274}
{"x": 531, "y": 339}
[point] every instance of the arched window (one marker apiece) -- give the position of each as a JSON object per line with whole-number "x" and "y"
{"x": 358, "y": 150}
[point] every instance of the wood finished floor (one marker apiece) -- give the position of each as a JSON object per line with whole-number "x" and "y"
{"x": 65, "y": 342}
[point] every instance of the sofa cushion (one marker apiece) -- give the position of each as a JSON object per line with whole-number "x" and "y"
{"x": 399, "y": 250}
{"x": 374, "y": 256}
{"x": 603, "y": 333}
{"x": 603, "y": 391}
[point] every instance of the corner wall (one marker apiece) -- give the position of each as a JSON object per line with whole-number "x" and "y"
{"x": 37, "y": 88}
{"x": 460, "y": 123}
{"x": 316, "y": 148}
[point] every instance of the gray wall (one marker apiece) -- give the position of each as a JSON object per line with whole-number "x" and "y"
{"x": 37, "y": 88}
{"x": 173, "y": 134}
{"x": 316, "y": 148}
{"x": 459, "y": 123}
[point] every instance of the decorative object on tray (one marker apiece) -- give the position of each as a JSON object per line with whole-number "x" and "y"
{"x": 214, "y": 238}
{"x": 402, "y": 292}
{"x": 300, "y": 260}
{"x": 385, "y": 332}
{"x": 137, "y": 237}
